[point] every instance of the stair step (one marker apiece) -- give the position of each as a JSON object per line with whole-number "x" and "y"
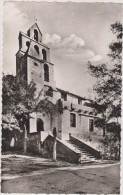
{"x": 87, "y": 159}
{"x": 85, "y": 156}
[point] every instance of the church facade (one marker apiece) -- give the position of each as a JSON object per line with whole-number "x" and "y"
{"x": 33, "y": 64}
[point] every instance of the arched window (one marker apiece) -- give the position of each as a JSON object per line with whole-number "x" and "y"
{"x": 35, "y": 35}
{"x": 44, "y": 54}
{"x": 46, "y": 73}
{"x": 36, "y": 48}
{"x": 28, "y": 44}
{"x": 40, "y": 125}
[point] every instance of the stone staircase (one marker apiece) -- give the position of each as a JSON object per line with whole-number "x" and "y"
{"x": 85, "y": 155}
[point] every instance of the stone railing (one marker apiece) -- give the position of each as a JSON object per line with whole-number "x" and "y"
{"x": 91, "y": 139}
{"x": 43, "y": 135}
{"x": 84, "y": 146}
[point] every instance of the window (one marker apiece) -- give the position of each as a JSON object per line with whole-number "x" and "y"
{"x": 35, "y": 35}
{"x": 64, "y": 96}
{"x": 46, "y": 73}
{"x": 91, "y": 125}
{"x": 44, "y": 54}
{"x": 28, "y": 33}
{"x": 36, "y": 48}
{"x": 35, "y": 64}
{"x": 72, "y": 120}
{"x": 40, "y": 125}
{"x": 79, "y": 101}
{"x": 49, "y": 92}
{"x": 88, "y": 104}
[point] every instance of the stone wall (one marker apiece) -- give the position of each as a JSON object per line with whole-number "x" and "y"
{"x": 82, "y": 124}
{"x": 33, "y": 142}
{"x": 62, "y": 150}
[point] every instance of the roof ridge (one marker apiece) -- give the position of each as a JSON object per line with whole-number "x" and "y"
{"x": 72, "y": 93}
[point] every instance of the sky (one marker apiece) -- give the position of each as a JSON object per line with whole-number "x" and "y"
{"x": 75, "y": 32}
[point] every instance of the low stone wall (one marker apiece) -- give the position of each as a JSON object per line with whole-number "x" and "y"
{"x": 89, "y": 149}
{"x": 62, "y": 150}
{"x": 33, "y": 142}
{"x": 18, "y": 142}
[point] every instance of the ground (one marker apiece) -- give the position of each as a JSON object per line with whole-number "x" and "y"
{"x": 25, "y": 174}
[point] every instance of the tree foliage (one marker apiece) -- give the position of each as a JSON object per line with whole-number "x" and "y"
{"x": 109, "y": 81}
{"x": 108, "y": 89}
{"x": 19, "y": 100}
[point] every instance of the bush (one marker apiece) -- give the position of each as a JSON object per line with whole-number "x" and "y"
{"x": 111, "y": 147}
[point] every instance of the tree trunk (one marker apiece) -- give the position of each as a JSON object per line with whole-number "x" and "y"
{"x": 103, "y": 131}
{"x": 25, "y": 139}
{"x": 54, "y": 149}
{"x": 104, "y": 128}
{"x": 119, "y": 152}
{"x": 39, "y": 145}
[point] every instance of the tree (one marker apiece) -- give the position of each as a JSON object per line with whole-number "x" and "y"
{"x": 19, "y": 101}
{"x": 54, "y": 144}
{"x": 109, "y": 84}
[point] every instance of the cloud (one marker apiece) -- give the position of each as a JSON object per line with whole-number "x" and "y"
{"x": 12, "y": 15}
{"x": 96, "y": 58}
{"x": 56, "y": 42}
{"x": 13, "y": 21}
{"x": 52, "y": 40}
{"x": 72, "y": 47}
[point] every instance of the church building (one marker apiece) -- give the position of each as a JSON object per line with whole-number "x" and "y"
{"x": 33, "y": 63}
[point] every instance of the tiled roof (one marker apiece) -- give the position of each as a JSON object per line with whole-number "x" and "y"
{"x": 82, "y": 98}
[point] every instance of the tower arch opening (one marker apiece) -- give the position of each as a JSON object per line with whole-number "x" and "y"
{"x": 36, "y": 48}
{"x": 44, "y": 53}
{"x": 27, "y": 44}
{"x": 35, "y": 35}
{"x": 46, "y": 72}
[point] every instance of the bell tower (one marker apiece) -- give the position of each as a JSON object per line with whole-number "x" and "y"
{"x": 33, "y": 59}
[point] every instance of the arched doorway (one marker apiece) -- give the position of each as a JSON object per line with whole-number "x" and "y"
{"x": 40, "y": 125}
